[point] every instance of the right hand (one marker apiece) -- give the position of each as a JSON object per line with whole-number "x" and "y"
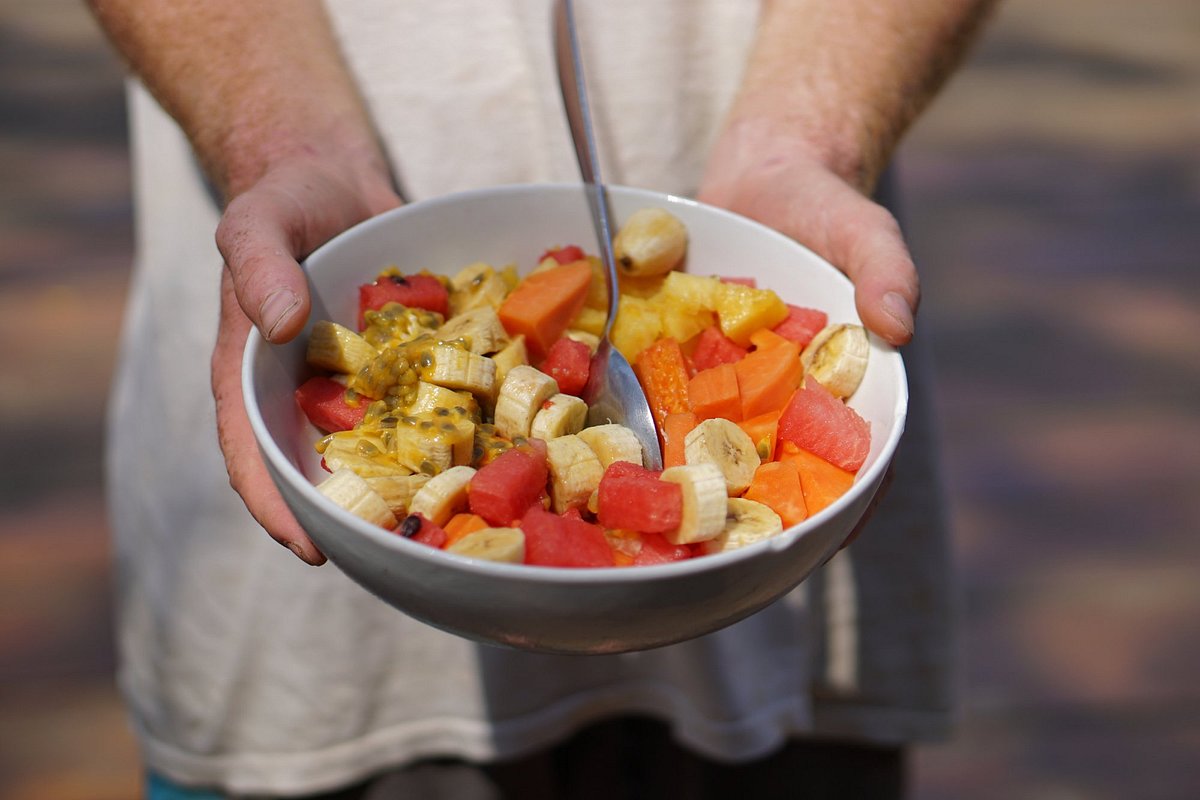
{"x": 298, "y": 204}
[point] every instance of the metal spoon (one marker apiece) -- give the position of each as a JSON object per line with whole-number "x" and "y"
{"x": 613, "y": 393}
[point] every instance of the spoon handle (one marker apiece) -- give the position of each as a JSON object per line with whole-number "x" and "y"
{"x": 579, "y": 118}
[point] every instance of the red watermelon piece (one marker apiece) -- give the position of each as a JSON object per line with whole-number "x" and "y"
{"x": 414, "y": 291}
{"x": 555, "y": 541}
{"x": 751, "y": 282}
{"x": 657, "y": 550}
{"x": 633, "y": 498}
{"x": 502, "y": 490}
{"x": 323, "y": 401}
{"x": 825, "y": 426}
{"x": 714, "y": 348}
{"x": 569, "y": 363}
{"x": 801, "y": 324}
{"x": 421, "y": 529}
{"x": 564, "y": 255}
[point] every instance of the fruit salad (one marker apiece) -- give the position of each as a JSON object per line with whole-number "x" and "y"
{"x": 451, "y": 414}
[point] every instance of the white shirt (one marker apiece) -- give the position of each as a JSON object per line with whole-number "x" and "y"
{"x": 247, "y": 669}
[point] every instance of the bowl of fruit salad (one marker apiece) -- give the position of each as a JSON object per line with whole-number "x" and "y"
{"x": 428, "y": 431}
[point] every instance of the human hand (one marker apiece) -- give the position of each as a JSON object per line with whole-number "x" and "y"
{"x": 296, "y": 206}
{"x": 786, "y": 188}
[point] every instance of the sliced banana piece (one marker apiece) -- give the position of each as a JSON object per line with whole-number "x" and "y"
{"x": 613, "y": 442}
{"x": 479, "y": 329}
{"x": 337, "y": 348}
{"x": 492, "y": 544}
{"x": 474, "y": 286}
{"x": 575, "y": 472}
{"x": 431, "y": 397}
{"x": 704, "y": 502}
{"x": 443, "y": 495}
{"x": 352, "y": 493}
{"x": 456, "y": 368}
{"x": 398, "y": 490}
{"x": 513, "y": 354}
{"x": 725, "y": 445}
{"x": 587, "y": 337}
{"x": 562, "y": 414}
{"x": 521, "y": 396}
{"x": 837, "y": 358}
{"x": 746, "y": 522}
{"x": 651, "y": 242}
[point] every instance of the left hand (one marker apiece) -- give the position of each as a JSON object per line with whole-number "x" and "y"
{"x": 794, "y": 193}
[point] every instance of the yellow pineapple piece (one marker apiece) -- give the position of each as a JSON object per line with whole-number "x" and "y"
{"x": 694, "y": 291}
{"x": 743, "y": 310}
{"x": 631, "y": 286}
{"x": 637, "y": 326}
{"x": 681, "y": 321}
{"x": 591, "y": 320}
{"x": 597, "y": 296}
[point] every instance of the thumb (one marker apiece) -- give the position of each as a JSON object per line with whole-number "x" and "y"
{"x": 261, "y": 253}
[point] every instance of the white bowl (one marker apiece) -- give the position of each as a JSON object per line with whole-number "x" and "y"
{"x": 539, "y": 608}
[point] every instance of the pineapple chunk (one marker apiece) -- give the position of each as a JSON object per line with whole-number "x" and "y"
{"x": 743, "y": 310}
{"x": 638, "y": 325}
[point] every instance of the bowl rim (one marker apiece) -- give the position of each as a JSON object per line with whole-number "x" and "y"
{"x": 286, "y": 471}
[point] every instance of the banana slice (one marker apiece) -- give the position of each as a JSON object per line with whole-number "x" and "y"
{"x": 613, "y": 442}
{"x": 476, "y": 285}
{"x": 443, "y": 495}
{"x": 456, "y": 368}
{"x": 704, "y": 502}
{"x": 352, "y": 493}
{"x": 651, "y": 242}
{"x": 575, "y": 472}
{"x": 337, "y": 348}
{"x": 562, "y": 414}
{"x": 725, "y": 445}
{"x": 513, "y": 354}
{"x": 746, "y": 522}
{"x": 398, "y": 490}
{"x": 587, "y": 337}
{"x": 431, "y": 397}
{"x": 492, "y": 544}
{"x": 837, "y": 358}
{"x": 520, "y": 398}
{"x": 479, "y": 329}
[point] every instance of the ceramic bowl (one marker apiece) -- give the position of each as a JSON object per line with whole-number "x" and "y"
{"x": 551, "y": 609}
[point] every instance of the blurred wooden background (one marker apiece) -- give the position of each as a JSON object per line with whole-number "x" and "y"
{"x": 1053, "y": 202}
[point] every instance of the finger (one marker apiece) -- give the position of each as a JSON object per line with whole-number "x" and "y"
{"x": 258, "y": 240}
{"x": 886, "y": 287}
{"x": 247, "y": 472}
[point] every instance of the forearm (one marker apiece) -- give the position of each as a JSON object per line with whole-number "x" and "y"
{"x": 250, "y": 83}
{"x": 844, "y": 79}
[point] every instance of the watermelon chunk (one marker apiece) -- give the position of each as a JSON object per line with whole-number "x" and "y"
{"x": 569, "y": 363}
{"x": 657, "y": 550}
{"x": 555, "y": 541}
{"x": 714, "y": 348}
{"x": 564, "y": 255}
{"x": 825, "y": 426}
{"x": 504, "y": 488}
{"x": 633, "y": 498}
{"x": 414, "y": 291}
{"x": 801, "y": 324}
{"x": 323, "y": 401}
{"x": 421, "y": 529}
{"x": 751, "y": 282}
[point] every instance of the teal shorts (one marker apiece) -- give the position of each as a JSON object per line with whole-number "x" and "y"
{"x": 160, "y": 788}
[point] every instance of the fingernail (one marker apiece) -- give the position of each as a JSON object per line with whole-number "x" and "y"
{"x": 276, "y": 309}
{"x": 299, "y": 551}
{"x": 896, "y": 307}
